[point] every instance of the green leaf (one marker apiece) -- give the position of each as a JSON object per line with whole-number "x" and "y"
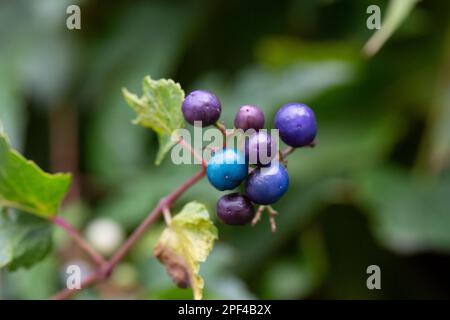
{"x": 397, "y": 11}
{"x": 24, "y": 186}
{"x": 408, "y": 215}
{"x": 24, "y": 240}
{"x": 184, "y": 244}
{"x": 159, "y": 108}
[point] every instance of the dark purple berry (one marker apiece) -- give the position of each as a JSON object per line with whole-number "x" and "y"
{"x": 297, "y": 125}
{"x": 266, "y": 185}
{"x": 260, "y": 148}
{"x": 201, "y": 105}
{"x": 235, "y": 209}
{"x": 249, "y": 117}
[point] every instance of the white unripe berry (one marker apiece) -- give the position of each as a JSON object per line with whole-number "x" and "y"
{"x": 105, "y": 235}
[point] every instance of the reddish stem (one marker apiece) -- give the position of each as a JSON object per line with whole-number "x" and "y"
{"x": 106, "y": 268}
{"x": 164, "y": 203}
{"x": 83, "y": 244}
{"x": 67, "y": 293}
{"x": 188, "y": 147}
{"x": 222, "y": 129}
{"x": 286, "y": 152}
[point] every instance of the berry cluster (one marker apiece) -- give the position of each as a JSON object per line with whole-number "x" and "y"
{"x": 265, "y": 182}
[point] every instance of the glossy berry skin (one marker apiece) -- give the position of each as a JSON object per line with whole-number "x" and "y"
{"x": 249, "y": 117}
{"x": 297, "y": 125}
{"x": 267, "y": 185}
{"x": 226, "y": 169}
{"x": 201, "y": 105}
{"x": 260, "y": 148}
{"x": 235, "y": 209}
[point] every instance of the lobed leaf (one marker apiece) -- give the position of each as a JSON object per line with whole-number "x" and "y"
{"x": 159, "y": 108}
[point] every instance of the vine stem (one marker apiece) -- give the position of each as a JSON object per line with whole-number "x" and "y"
{"x": 283, "y": 154}
{"x": 188, "y": 147}
{"x": 105, "y": 269}
{"x": 79, "y": 240}
{"x": 286, "y": 152}
{"x": 67, "y": 293}
{"x": 222, "y": 129}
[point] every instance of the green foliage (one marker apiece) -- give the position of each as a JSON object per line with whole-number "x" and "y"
{"x": 374, "y": 189}
{"x": 185, "y": 243}
{"x": 159, "y": 108}
{"x": 24, "y": 240}
{"x": 407, "y": 215}
{"x": 24, "y": 186}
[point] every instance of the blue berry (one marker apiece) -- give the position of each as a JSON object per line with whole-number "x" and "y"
{"x": 249, "y": 117}
{"x": 266, "y": 185}
{"x": 201, "y": 105}
{"x": 235, "y": 209}
{"x": 258, "y": 148}
{"x": 226, "y": 169}
{"x": 297, "y": 125}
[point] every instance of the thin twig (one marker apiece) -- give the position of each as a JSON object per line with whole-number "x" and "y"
{"x": 83, "y": 244}
{"x": 283, "y": 154}
{"x": 167, "y": 216}
{"x": 286, "y": 152}
{"x": 105, "y": 270}
{"x": 222, "y": 129}
{"x": 258, "y": 215}
{"x": 166, "y": 202}
{"x": 272, "y": 214}
{"x": 188, "y": 147}
{"x": 67, "y": 293}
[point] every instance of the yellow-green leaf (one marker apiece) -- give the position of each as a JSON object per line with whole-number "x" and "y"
{"x": 24, "y": 186}
{"x": 159, "y": 108}
{"x": 184, "y": 244}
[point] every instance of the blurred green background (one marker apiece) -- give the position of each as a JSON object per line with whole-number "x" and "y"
{"x": 375, "y": 190}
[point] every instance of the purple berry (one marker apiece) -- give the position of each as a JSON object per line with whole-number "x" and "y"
{"x": 260, "y": 148}
{"x": 249, "y": 117}
{"x": 266, "y": 185}
{"x": 201, "y": 105}
{"x": 235, "y": 209}
{"x": 297, "y": 125}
